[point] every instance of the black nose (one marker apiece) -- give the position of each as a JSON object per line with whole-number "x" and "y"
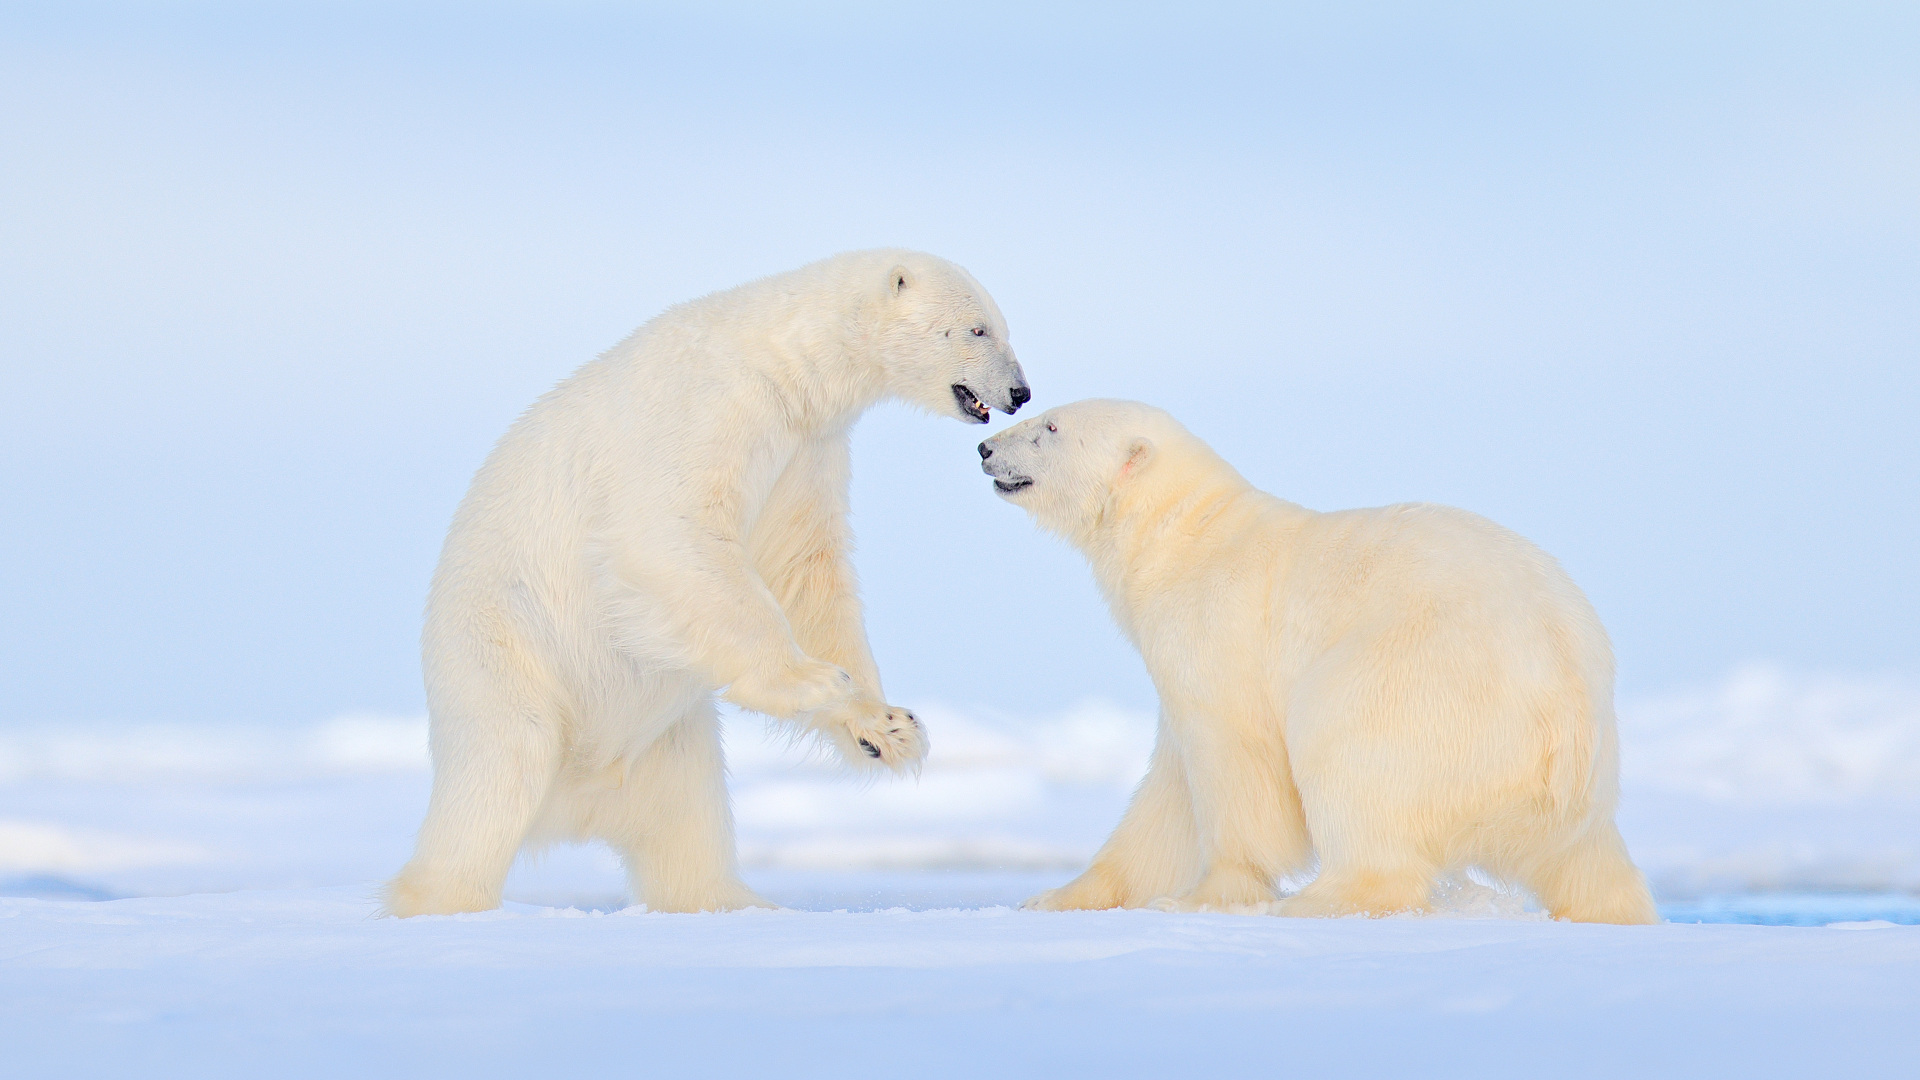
{"x": 1020, "y": 395}
{"x": 985, "y": 451}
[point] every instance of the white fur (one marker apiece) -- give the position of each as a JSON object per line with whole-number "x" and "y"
{"x": 669, "y": 521}
{"x": 1401, "y": 692}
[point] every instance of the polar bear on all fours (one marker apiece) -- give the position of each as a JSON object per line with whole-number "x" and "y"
{"x": 668, "y": 522}
{"x": 1401, "y": 692}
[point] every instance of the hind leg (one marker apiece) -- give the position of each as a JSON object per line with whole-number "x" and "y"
{"x": 1367, "y": 866}
{"x": 1594, "y": 881}
{"x": 492, "y": 770}
{"x": 672, "y": 825}
{"x": 1369, "y": 792}
{"x": 1374, "y": 889}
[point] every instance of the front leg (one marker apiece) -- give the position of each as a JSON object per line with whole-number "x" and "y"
{"x": 800, "y": 548}
{"x": 680, "y": 590}
{"x": 705, "y": 610}
{"x": 1153, "y": 852}
{"x": 1247, "y": 817}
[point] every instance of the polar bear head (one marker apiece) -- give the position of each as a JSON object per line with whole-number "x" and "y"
{"x": 942, "y": 343}
{"x": 1068, "y": 465}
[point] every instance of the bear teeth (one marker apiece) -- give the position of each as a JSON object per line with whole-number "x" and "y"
{"x": 970, "y": 403}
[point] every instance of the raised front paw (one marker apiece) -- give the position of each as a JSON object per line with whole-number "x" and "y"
{"x": 888, "y": 735}
{"x": 794, "y": 689}
{"x": 820, "y": 685}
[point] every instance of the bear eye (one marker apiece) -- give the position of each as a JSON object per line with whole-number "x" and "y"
{"x": 1050, "y": 427}
{"x": 979, "y": 331}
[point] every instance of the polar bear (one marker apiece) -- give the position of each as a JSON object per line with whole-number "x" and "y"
{"x": 667, "y": 522}
{"x": 1401, "y": 692}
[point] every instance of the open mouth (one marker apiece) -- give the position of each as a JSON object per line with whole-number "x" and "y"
{"x": 1008, "y": 487}
{"x": 969, "y": 404}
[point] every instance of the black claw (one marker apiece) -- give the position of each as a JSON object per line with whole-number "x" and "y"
{"x": 872, "y": 750}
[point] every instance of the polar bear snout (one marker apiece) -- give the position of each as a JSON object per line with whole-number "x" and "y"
{"x": 974, "y": 404}
{"x": 1018, "y": 447}
{"x": 1007, "y": 478}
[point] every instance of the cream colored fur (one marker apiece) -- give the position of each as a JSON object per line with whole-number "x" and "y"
{"x": 668, "y": 522}
{"x": 1397, "y": 692}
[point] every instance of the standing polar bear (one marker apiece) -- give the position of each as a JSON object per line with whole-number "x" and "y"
{"x": 1401, "y": 691}
{"x": 668, "y": 522}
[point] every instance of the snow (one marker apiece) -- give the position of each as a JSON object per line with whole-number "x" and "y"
{"x": 302, "y": 983}
{"x": 195, "y": 901}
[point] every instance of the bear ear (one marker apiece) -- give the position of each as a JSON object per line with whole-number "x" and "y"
{"x": 898, "y": 280}
{"x": 1139, "y": 452}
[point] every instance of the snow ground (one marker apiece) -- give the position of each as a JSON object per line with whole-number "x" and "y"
{"x": 128, "y": 943}
{"x": 301, "y": 983}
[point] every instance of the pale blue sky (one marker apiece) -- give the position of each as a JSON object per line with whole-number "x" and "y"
{"x": 1642, "y": 284}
